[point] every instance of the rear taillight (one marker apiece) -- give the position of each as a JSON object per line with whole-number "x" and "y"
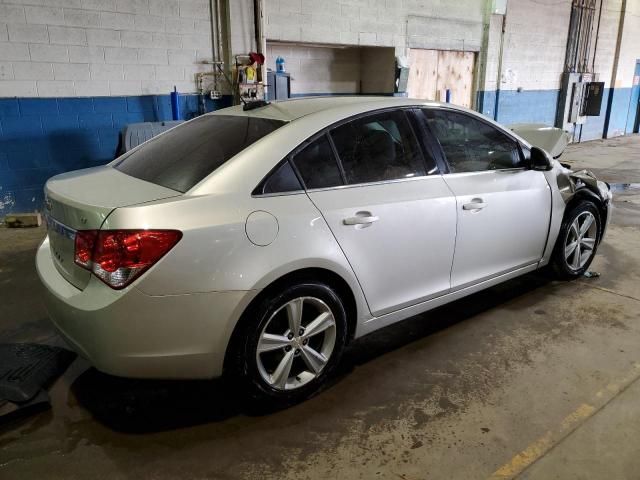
{"x": 85, "y": 241}
{"x": 117, "y": 257}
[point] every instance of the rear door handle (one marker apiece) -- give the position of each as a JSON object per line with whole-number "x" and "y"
{"x": 360, "y": 220}
{"x": 475, "y": 204}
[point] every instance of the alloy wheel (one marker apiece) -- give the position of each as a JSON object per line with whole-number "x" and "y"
{"x": 296, "y": 343}
{"x": 581, "y": 240}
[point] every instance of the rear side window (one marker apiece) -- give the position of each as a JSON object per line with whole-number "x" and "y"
{"x": 282, "y": 180}
{"x": 378, "y": 147}
{"x": 472, "y": 145}
{"x": 181, "y": 157}
{"x": 317, "y": 165}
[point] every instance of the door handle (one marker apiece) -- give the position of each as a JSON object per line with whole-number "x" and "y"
{"x": 475, "y": 204}
{"x": 360, "y": 220}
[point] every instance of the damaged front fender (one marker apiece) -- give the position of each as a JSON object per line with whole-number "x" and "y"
{"x": 568, "y": 187}
{"x": 570, "y": 183}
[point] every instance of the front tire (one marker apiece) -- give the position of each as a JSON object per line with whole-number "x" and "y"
{"x": 577, "y": 241}
{"x": 290, "y": 343}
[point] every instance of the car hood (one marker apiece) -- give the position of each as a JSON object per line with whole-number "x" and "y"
{"x": 551, "y": 139}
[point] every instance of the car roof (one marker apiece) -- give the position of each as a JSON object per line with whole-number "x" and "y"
{"x": 305, "y": 117}
{"x": 293, "y": 109}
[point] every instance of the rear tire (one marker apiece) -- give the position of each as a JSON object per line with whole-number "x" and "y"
{"x": 278, "y": 365}
{"x": 577, "y": 241}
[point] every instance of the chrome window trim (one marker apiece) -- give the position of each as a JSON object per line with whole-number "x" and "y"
{"x": 369, "y": 184}
{"x": 496, "y": 170}
{"x": 278, "y": 194}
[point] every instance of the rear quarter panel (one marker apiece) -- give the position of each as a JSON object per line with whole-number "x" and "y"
{"x": 215, "y": 253}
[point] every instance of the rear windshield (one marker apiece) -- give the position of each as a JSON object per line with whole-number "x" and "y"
{"x": 180, "y": 158}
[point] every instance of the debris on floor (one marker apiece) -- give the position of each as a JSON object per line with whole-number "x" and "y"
{"x": 23, "y": 220}
{"x": 590, "y": 274}
{"x": 26, "y": 371}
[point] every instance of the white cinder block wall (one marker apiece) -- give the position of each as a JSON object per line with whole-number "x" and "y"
{"x": 59, "y": 48}
{"x": 65, "y": 48}
{"x": 535, "y": 44}
{"x": 318, "y": 70}
{"x": 360, "y": 22}
{"x": 630, "y": 46}
{"x": 363, "y": 24}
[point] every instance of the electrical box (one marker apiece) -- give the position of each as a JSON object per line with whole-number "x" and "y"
{"x": 402, "y": 79}
{"x": 575, "y": 109}
{"x": 279, "y": 85}
{"x": 593, "y": 94}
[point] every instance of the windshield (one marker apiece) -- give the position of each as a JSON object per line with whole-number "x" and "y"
{"x": 181, "y": 157}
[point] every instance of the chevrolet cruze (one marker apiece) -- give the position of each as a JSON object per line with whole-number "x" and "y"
{"x": 257, "y": 242}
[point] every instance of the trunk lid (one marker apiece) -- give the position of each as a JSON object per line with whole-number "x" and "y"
{"x": 82, "y": 200}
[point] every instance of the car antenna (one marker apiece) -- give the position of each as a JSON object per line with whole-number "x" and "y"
{"x": 253, "y": 104}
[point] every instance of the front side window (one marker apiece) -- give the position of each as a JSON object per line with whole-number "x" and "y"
{"x": 472, "y": 145}
{"x": 317, "y": 165}
{"x": 378, "y": 147}
{"x": 184, "y": 155}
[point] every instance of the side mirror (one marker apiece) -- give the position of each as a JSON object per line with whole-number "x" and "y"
{"x": 540, "y": 160}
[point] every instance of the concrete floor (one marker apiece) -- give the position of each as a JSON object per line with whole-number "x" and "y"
{"x": 532, "y": 378}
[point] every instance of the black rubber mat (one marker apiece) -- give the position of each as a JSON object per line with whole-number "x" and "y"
{"x": 27, "y": 368}
{"x": 10, "y": 411}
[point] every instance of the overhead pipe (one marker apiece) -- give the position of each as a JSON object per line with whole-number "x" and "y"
{"x": 261, "y": 40}
{"x": 499, "y": 76}
{"x": 595, "y": 46}
{"x": 215, "y": 47}
{"x": 219, "y": 29}
{"x": 614, "y": 69}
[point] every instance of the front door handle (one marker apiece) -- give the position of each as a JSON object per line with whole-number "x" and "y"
{"x": 361, "y": 218}
{"x": 475, "y": 204}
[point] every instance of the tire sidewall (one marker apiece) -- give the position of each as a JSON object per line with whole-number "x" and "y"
{"x": 560, "y": 262}
{"x": 257, "y": 322}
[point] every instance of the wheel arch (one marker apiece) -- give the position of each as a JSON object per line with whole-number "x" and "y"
{"x": 329, "y": 277}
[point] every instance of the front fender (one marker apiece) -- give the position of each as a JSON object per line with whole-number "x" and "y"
{"x": 567, "y": 187}
{"x": 574, "y": 182}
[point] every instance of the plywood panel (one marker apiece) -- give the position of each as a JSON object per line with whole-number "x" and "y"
{"x": 455, "y": 72}
{"x": 423, "y": 74}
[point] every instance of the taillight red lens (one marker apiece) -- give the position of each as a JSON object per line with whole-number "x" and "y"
{"x": 119, "y": 256}
{"x": 85, "y": 241}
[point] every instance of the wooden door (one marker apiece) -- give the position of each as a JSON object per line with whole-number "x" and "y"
{"x": 434, "y": 71}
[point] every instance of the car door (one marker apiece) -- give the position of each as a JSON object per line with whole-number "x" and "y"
{"x": 503, "y": 207}
{"x": 389, "y": 209}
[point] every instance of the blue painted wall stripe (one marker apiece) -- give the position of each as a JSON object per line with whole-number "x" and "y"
{"x": 527, "y": 106}
{"x": 41, "y": 137}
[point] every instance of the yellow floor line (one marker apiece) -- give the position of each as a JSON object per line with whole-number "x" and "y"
{"x": 541, "y": 446}
{"x": 572, "y": 421}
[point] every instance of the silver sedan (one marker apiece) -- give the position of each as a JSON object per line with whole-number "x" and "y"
{"x": 259, "y": 242}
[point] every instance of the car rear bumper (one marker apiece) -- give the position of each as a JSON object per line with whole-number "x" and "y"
{"x": 131, "y": 334}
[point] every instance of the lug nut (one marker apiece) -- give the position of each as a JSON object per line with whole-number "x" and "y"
{"x": 301, "y": 332}
{"x": 287, "y": 348}
{"x": 305, "y": 341}
{"x": 290, "y": 336}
